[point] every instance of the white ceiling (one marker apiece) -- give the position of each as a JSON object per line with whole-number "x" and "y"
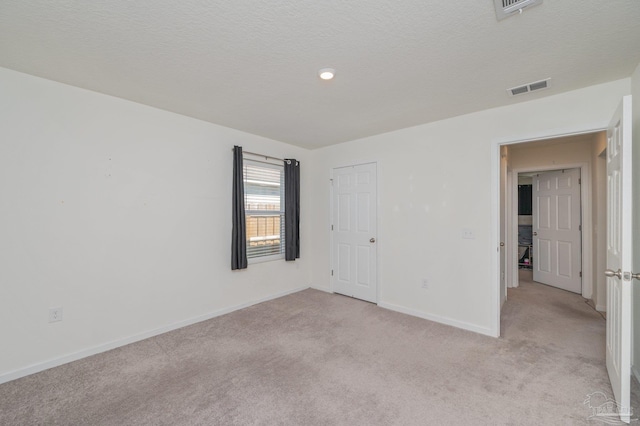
{"x": 252, "y": 65}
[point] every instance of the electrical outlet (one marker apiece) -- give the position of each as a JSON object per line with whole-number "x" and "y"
{"x": 55, "y": 314}
{"x": 425, "y": 284}
{"x": 468, "y": 234}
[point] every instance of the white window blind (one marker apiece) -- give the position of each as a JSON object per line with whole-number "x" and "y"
{"x": 264, "y": 208}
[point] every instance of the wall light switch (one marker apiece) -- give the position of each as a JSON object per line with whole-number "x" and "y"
{"x": 468, "y": 234}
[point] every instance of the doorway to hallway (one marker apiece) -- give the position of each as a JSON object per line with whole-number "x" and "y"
{"x": 588, "y": 229}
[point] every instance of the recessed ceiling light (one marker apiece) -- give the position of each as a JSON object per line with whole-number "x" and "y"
{"x": 327, "y": 73}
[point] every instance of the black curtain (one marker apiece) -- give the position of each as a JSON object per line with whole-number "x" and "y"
{"x": 525, "y": 199}
{"x": 292, "y": 208}
{"x": 239, "y": 232}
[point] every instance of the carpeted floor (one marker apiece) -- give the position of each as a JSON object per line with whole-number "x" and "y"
{"x": 313, "y": 358}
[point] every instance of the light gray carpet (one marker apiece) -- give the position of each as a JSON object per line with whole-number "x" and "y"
{"x": 313, "y": 358}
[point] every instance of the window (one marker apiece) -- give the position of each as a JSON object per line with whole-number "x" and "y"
{"x": 264, "y": 209}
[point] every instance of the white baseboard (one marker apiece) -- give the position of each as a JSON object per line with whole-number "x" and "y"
{"x": 436, "y": 318}
{"x": 41, "y": 366}
{"x": 601, "y": 308}
{"x": 325, "y": 289}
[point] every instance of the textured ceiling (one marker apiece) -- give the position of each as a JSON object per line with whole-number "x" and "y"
{"x": 252, "y": 65}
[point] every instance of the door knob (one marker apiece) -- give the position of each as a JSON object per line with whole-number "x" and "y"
{"x": 636, "y": 276}
{"x": 501, "y": 244}
{"x": 611, "y": 273}
{"x": 372, "y": 240}
{"x": 535, "y": 234}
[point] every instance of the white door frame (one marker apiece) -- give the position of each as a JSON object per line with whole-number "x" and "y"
{"x": 495, "y": 217}
{"x": 585, "y": 217}
{"x": 505, "y": 231}
{"x": 377, "y": 261}
{"x": 510, "y": 256}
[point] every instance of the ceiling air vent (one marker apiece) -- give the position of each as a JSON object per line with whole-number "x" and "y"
{"x": 530, "y": 87}
{"x": 506, "y": 8}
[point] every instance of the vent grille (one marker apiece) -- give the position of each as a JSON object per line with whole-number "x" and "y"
{"x": 519, "y": 90}
{"x": 538, "y": 85}
{"x": 506, "y": 8}
{"x": 529, "y": 87}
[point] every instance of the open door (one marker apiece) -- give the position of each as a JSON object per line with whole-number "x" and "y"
{"x": 619, "y": 178}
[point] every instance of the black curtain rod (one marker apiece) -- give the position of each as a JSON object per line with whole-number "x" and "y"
{"x": 265, "y": 156}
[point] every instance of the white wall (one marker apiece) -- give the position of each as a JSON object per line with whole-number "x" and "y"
{"x": 435, "y": 180}
{"x": 635, "y": 91}
{"x": 120, "y": 213}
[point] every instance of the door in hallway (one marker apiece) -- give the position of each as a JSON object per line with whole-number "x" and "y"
{"x": 557, "y": 234}
{"x": 354, "y": 224}
{"x": 619, "y": 256}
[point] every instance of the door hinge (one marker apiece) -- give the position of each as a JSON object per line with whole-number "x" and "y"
{"x": 580, "y": 274}
{"x": 579, "y": 181}
{"x": 331, "y": 180}
{"x": 332, "y": 272}
{"x": 579, "y": 228}
{"x": 332, "y": 227}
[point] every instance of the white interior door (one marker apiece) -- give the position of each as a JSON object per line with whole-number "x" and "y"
{"x": 557, "y": 235}
{"x": 354, "y": 220}
{"x": 619, "y": 256}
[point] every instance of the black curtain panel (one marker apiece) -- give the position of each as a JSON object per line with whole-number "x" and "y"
{"x": 525, "y": 199}
{"x": 292, "y": 208}
{"x": 239, "y": 232}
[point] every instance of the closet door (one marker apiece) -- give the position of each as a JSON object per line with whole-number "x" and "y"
{"x": 354, "y": 225}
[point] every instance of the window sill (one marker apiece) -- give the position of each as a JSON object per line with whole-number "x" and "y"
{"x": 263, "y": 259}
